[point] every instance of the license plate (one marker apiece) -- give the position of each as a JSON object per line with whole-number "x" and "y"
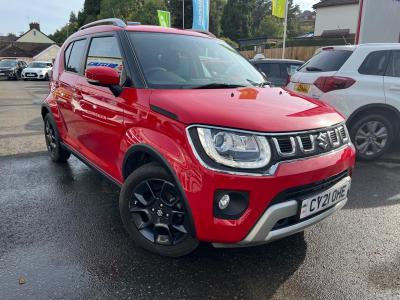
{"x": 326, "y": 199}
{"x": 2, "y": 74}
{"x": 302, "y": 88}
{"x": 30, "y": 75}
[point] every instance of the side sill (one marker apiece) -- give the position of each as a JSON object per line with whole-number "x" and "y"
{"x": 90, "y": 165}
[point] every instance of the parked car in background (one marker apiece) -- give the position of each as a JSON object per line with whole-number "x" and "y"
{"x": 201, "y": 154}
{"x": 11, "y": 68}
{"x": 363, "y": 83}
{"x": 37, "y": 70}
{"x": 277, "y": 71}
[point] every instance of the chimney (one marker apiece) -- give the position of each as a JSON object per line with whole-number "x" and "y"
{"x": 34, "y": 25}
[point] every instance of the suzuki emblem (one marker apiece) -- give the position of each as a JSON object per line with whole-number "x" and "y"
{"x": 323, "y": 140}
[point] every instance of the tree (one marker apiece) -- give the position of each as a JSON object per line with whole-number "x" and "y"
{"x": 237, "y": 19}
{"x": 91, "y": 9}
{"x": 149, "y": 12}
{"x": 216, "y": 11}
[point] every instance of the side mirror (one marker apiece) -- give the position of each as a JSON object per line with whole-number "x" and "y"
{"x": 104, "y": 76}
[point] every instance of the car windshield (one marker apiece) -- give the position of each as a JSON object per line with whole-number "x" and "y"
{"x": 8, "y": 63}
{"x": 172, "y": 61}
{"x": 326, "y": 61}
{"x": 38, "y": 65}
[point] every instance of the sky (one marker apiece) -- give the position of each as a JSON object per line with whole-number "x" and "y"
{"x": 15, "y": 15}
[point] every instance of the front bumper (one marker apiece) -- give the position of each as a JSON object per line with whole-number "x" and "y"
{"x": 265, "y": 196}
{"x": 264, "y": 231}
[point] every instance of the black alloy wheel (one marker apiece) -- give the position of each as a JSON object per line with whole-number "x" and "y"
{"x": 154, "y": 213}
{"x": 57, "y": 152}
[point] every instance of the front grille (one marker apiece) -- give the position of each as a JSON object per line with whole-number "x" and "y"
{"x": 310, "y": 143}
{"x": 285, "y": 145}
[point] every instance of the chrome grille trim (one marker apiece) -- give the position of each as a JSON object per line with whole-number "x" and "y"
{"x": 281, "y": 152}
{"x": 322, "y": 141}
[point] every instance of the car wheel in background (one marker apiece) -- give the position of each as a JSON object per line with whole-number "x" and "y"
{"x": 372, "y": 135}
{"x": 57, "y": 152}
{"x": 154, "y": 213}
{"x": 46, "y": 77}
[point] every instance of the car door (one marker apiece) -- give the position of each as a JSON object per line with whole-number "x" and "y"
{"x": 102, "y": 114}
{"x": 65, "y": 91}
{"x": 392, "y": 80}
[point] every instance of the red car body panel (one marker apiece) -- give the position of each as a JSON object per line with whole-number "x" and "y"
{"x": 101, "y": 128}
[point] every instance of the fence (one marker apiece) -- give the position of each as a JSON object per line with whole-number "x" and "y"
{"x": 300, "y": 53}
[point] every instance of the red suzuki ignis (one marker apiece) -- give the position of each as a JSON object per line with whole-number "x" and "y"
{"x": 203, "y": 149}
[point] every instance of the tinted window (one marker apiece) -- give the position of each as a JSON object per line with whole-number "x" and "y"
{"x": 66, "y": 54}
{"x": 8, "y": 63}
{"x": 270, "y": 70}
{"x": 104, "y": 51}
{"x": 327, "y": 61}
{"x": 375, "y": 63}
{"x": 184, "y": 61}
{"x": 393, "y": 69}
{"x": 75, "y": 58}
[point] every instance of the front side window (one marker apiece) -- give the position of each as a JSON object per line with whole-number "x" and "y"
{"x": 393, "y": 69}
{"x": 104, "y": 51}
{"x": 76, "y": 55}
{"x": 375, "y": 63}
{"x": 174, "y": 61}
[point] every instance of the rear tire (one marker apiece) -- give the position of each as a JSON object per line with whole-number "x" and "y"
{"x": 372, "y": 135}
{"x": 57, "y": 152}
{"x": 154, "y": 213}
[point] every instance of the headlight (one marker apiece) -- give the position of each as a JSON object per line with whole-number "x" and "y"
{"x": 235, "y": 149}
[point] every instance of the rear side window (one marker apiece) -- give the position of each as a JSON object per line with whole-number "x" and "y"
{"x": 327, "y": 61}
{"x": 271, "y": 70}
{"x": 291, "y": 69}
{"x": 375, "y": 63}
{"x": 393, "y": 69}
{"x": 104, "y": 51}
{"x": 75, "y": 57}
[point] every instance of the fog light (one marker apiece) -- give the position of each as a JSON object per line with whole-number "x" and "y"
{"x": 224, "y": 201}
{"x": 230, "y": 205}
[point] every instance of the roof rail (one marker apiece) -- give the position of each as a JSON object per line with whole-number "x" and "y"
{"x": 203, "y": 32}
{"x": 133, "y": 23}
{"x": 112, "y": 21}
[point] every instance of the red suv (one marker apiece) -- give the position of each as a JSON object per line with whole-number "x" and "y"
{"x": 202, "y": 149}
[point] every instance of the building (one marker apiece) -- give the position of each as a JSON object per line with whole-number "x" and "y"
{"x": 30, "y": 46}
{"x": 336, "y": 18}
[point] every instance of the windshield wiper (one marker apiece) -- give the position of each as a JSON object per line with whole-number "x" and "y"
{"x": 261, "y": 84}
{"x": 216, "y": 85}
{"x": 313, "y": 69}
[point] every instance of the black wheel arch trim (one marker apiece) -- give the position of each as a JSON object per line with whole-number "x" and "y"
{"x": 46, "y": 106}
{"x": 160, "y": 159}
{"x": 355, "y": 113}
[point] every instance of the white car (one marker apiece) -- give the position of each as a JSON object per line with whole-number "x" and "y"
{"x": 37, "y": 70}
{"x": 363, "y": 83}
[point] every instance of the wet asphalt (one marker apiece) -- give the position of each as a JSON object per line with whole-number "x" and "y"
{"x": 60, "y": 232}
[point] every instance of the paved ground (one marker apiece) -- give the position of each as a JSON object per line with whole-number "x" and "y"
{"x": 20, "y": 120}
{"x": 60, "y": 230}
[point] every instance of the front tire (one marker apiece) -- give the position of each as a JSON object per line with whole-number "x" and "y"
{"x": 57, "y": 152}
{"x": 372, "y": 135}
{"x": 154, "y": 213}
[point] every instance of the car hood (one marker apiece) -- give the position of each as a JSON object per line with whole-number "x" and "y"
{"x": 258, "y": 109}
{"x": 35, "y": 69}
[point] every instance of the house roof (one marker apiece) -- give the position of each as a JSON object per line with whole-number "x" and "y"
{"x": 327, "y": 3}
{"x": 21, "y": 49}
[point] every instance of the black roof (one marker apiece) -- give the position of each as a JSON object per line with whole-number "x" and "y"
{"x": 326, "y": 3}
{"x": 21, "y": 49}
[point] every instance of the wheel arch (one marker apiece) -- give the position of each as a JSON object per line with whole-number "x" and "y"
{"x": 140, "y": 154}
{"x": 377, "y": 108}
